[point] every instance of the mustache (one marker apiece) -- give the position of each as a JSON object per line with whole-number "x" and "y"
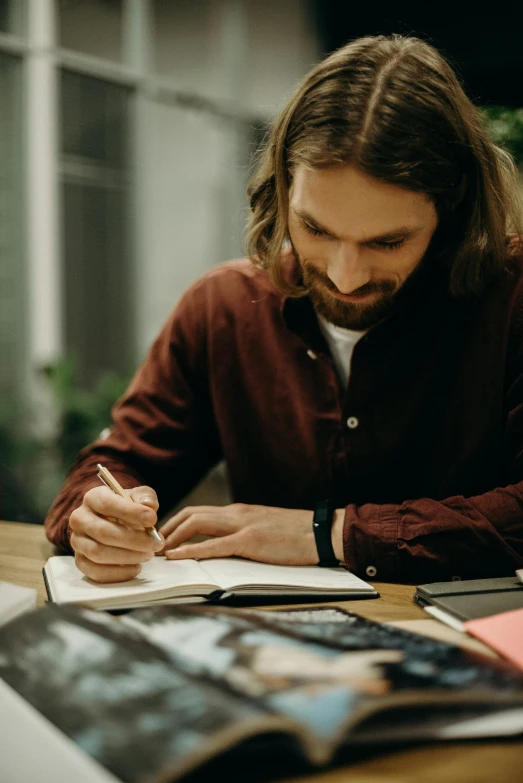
{"x": 313, "y": 275}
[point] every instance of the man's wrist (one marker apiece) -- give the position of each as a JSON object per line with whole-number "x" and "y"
{"x": 337, "y": 533}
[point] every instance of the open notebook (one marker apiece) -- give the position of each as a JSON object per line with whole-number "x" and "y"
{"x": 182, "y": 581}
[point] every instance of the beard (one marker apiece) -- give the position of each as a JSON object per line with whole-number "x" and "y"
{"x": 349, "y": 315}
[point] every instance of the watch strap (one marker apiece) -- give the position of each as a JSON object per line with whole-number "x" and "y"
{"x": 321, "y": 526}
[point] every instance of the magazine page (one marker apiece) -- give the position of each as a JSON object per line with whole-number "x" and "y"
{"x": 120, "y": 699}
{"x": 337, "y": 673}
{"x": 159, "y": 692}
{"x": 305, "y": 682}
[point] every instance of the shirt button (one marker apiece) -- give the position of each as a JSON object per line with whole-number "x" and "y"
{"x": 352, "y": 422}
{"x": 371, "y": 571}
{"x": 311, "y": 354}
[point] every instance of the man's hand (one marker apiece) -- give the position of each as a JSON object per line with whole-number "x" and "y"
{"x": 270, "y": 535}
{"x": 109, "y": 533}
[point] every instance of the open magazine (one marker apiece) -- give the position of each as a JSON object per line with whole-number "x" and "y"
{"x": 158, "y": 693}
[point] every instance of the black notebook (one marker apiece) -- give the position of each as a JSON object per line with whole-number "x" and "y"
{"x": 471, "y": 599}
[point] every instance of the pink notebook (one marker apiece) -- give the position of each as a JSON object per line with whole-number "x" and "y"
{"x": 503, "y": 632}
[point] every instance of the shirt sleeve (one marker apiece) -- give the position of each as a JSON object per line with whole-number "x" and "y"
{"x": 163, "y": 432}
{"x": 424, "y": 540}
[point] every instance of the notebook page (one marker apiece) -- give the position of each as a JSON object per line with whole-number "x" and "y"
{"x": 69, "y": 585}
{"x": 231, "y": 572}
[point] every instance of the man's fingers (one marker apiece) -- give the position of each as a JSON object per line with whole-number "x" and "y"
{"x": 106, "y": 503}
{"x": 106, "y": 573}
{"x": 84, "y": 522}
{"x": 100, "y": 553}
{"x": 146, "y": 496}
{"x": 214, "y": 547}
{"x": 174, "y": 522}
{"x": 110, "y": 535}
{"x": 199, "y": 524}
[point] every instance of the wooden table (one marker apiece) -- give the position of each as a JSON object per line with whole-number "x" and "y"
{"x": 24, "y": 550}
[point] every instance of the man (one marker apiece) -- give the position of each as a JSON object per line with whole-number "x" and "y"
{"x": 369, "y": 353}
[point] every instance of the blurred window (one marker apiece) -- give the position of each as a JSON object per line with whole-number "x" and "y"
{"x": 4, "y": 16}
{"x": 183, "y": 41}
{"x": 91, "y": 26}
{"x": 95, "y": 196}
{"x": 11, "y": 16}
{"x": 11, "y": 268}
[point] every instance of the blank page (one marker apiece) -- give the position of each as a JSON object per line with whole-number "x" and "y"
{"x": 69, "y": 585}
{"x": 230, "y": 572}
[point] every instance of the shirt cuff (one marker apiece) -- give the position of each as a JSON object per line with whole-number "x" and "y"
{"x": 370, "y": 541}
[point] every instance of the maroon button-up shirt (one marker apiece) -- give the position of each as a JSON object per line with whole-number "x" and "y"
{"x": 431, "y": 476}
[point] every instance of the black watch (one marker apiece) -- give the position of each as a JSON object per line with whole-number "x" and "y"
{"x": 321, "y": 526}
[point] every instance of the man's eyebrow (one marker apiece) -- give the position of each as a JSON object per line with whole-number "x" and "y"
{"x": 401, "y": 232}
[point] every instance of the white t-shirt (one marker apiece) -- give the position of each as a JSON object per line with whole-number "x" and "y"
{"x": 341, "y": 343}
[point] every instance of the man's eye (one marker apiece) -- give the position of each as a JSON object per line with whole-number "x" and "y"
{"x": 389, "y": 245}
{"x": 316, "y": 232}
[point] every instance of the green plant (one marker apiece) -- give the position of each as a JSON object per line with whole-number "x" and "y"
{"x": 82, "y": 413}
{"x": 505, "y": 126}
{"x": 33, "y": 466}
{"x": 17, "y": 502}
{"x": 18, "y": 449}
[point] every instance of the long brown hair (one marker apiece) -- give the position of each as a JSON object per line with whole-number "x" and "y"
{"x": 393, "y": 107}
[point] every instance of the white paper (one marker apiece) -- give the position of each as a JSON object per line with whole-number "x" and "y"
{"x": 69, "y": 585}
{"x": 33, "y": 749}
{"x": 231, "y": 572}
{"x": 505, "y": 723}
{"x": 15, "y": 600}
{"x": 445, "y": 617}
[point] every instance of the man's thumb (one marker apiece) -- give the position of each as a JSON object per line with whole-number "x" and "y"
{"x": 145, "y": 495}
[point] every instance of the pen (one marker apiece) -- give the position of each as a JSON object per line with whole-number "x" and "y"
{"x": 109, "y": 480}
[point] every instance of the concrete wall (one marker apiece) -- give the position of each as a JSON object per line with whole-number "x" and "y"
{"x": 246, "y": 57}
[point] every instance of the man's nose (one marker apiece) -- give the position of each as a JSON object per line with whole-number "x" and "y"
{"x": 347, "y": 270}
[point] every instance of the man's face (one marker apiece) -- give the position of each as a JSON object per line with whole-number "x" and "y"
{"x": 357, "y": 240}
